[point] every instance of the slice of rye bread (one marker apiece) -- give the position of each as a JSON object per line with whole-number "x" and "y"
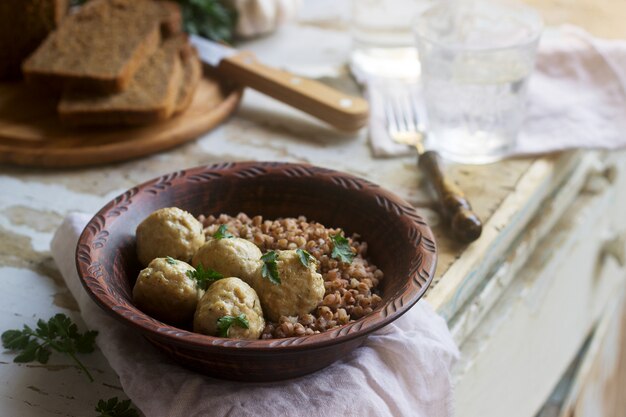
{"x": 171, "y": 18}
{"x": 192, "y": 73}
{"x": 100, "y": 47}
{"x": 24, "y": 24}
{"x": 151, "y": 95}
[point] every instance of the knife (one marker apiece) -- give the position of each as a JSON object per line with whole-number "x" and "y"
{"x": 340, "y": 110}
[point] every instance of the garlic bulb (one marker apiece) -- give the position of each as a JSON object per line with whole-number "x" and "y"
{"x": 259, "y": 17}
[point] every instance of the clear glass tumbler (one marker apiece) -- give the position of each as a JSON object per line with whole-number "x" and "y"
{"x": 383, "y": 43}
{"x": 476, "y": 58}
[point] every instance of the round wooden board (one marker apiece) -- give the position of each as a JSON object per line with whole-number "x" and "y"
{"x": 32, "y": 135}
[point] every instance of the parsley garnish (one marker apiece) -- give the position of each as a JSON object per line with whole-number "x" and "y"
{"x": 209, "y": 18}
{"x": 305, "y": 257}
{"x": 342, "y": 251}
{"x": 204, "y": 277}
{"x": 59, "y": 334}
{"x": 270, "y": 267}
{"x": 224, "y": 323}
{"x": 171, "y": 260}
{"x": 222, "y": 233}
{"x": 115, "y": 408}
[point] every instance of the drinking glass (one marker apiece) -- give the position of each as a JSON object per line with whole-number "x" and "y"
{"x": 382, "y": 37}
{"x": 476, "y": 58}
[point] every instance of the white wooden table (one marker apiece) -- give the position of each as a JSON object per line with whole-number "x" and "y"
{"x": 520, "y": 301}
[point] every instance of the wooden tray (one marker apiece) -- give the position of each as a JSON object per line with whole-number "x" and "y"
{"x": 32, "y": 135}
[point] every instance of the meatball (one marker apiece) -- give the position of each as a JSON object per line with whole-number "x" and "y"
{"x": 231, "y": 257}
{"x": 166, "y": 292}
{"x": 229, "y": 297}
{"x": 169, "y": 232}
{"x": 300, "y": 290}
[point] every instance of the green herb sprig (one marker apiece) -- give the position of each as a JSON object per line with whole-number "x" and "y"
{"x": 270, "y": 267}
{"x": 171, "y": 260}
{"x": 224, "y": 324}
{"x": 115, "y": 408}
{"x": 305, "y": 257}
{"x": 342, "y": 251}
{"x": 222, "y": 233}
{"x": 59, "y": 334}
{"x": 204, "y": 277}
{"x": 209, "y": 18}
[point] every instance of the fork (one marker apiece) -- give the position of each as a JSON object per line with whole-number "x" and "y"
{"x": 403, "y": 126}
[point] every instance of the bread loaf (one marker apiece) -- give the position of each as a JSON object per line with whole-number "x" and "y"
{"x": 171, "y": 18}
{"x": 24, "y": 24}
{"x": 100, "y": 47}
{"x": 192, "y": 73}
{"x": 151, "y": 95}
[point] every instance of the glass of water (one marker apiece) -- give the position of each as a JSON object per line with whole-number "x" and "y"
{"x": 383, "y": 43}
{"x": 476, "y": 58}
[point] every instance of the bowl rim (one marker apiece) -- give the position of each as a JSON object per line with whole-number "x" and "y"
{"x": 94, "y": 236}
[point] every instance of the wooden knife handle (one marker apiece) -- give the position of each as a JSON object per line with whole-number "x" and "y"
{"x": 342, "y": 111}
{"x": 457, "y": 211}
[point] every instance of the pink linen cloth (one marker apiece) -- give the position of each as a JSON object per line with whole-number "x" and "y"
{"x": 403, "y": 369}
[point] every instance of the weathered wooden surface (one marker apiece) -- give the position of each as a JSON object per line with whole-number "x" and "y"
{"x": 601, "y": 378}
{"x": 531, "y": 317}
{"x": 603, "y": 18}
{"x": 33, "y": 203}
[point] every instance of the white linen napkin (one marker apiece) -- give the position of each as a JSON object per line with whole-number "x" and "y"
{"x": 576, "y": 98}
{"x": 403, "y": 369}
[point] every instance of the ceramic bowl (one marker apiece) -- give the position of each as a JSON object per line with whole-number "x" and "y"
{"x": 399, "y": 242}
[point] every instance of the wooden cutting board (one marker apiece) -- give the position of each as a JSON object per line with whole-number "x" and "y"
{"x": 32, "y": 135}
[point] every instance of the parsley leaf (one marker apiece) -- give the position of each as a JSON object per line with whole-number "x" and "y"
{"x": 58, "y": 333}
{"x": 342, "y": 251}
{"x": 209, "y": 18}
{"x": 204, "y": 277}
{"x": 222, "y": 233}
{"x": 224, "y": 323}
{"x": 270, "y": 267}
{"x": 115, "y": 408}
{"x": 171, "y": 260}
{"x": 305, "y": 257}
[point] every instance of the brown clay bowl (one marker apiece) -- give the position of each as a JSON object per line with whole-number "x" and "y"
{"x": 399, "y": 241}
